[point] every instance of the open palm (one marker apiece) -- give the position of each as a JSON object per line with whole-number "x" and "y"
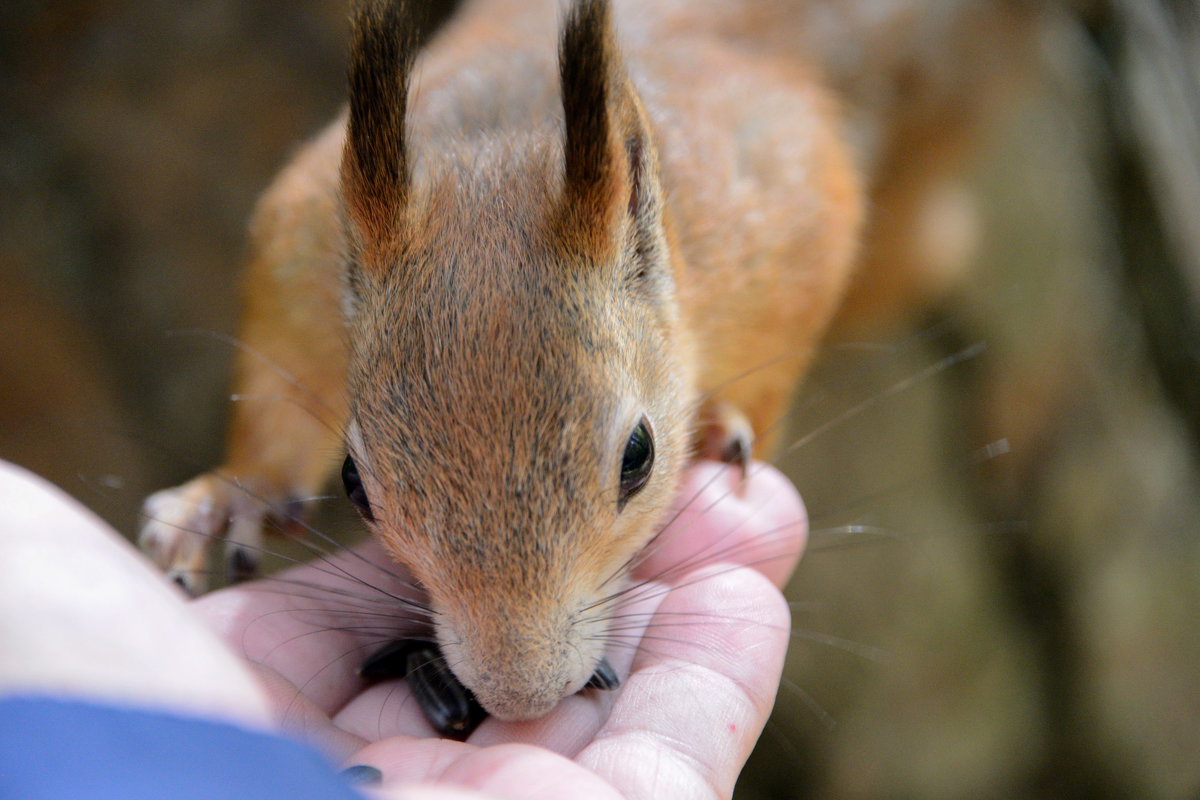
{"x": 703, "y": 645}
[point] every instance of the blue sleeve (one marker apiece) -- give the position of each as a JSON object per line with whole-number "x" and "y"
{"x": 53, "y": 749}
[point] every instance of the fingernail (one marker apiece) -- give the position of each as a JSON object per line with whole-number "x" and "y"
{"x": 362, "y": 775}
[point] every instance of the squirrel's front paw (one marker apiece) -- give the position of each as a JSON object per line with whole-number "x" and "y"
{"x": 183, "y": 523}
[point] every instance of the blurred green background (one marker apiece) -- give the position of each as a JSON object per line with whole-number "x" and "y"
{"x": 969, "y": 624}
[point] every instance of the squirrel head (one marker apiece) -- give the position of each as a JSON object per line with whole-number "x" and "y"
{"x": 520, "y": 395}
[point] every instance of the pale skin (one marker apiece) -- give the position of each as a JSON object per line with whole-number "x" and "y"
{"x": 681, "y": 725}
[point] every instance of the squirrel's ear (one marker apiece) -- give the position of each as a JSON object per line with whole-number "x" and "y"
{"x": 610, "y": 161}
{"x": 375, "y": 170}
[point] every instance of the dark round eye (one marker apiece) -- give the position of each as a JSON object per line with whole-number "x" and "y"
{"x": 636, "y": 463}
{"x": 355, "y": 490}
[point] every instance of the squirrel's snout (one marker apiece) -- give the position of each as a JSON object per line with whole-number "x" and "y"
{"x": 506, "y": 701}
{"x": 518, "y": 676}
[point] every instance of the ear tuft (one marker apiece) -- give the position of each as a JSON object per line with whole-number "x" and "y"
{"x": 387, "y": 37}
{"x": 610, "y": 166}
{"x": 589, "y": 78}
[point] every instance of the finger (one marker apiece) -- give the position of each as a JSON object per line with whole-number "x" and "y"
{"x": 695, "y": 703}
{"x": 411, "y": 766}
{"x": 83, "y": 613}
{"x": 296, "y": 715}
{"x": 384, "y": 710}
{"x": 315, "y": 624}
{"x": 390, "y": 709}
{"x": 760, "y": 522}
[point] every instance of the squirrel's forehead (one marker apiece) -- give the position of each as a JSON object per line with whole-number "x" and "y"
{"x": 488, "y": 450}
{"x": 497, "y": 370}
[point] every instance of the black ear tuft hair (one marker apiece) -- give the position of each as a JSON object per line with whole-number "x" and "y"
{"x": 589, "y": 77}
{"x": 611, "y": 166}
{"x": 387, "y": 38}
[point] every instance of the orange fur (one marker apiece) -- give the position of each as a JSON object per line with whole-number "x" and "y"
{"x": 521, "y": 292}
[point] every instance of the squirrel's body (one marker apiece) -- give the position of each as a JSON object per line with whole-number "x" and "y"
{"x": 503, "y": 277}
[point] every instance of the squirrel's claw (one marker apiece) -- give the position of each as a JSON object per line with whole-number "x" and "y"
{"x": 726, "y": 435}
{"x": 182, "y": 523}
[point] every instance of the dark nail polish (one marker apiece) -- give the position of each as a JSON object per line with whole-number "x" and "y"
{"x": 362, "y": 775}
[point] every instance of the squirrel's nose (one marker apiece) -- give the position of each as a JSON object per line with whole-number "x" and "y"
{"x": 519, "y": 672}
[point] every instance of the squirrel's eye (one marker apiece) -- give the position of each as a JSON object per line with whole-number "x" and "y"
{"x": 636, "y": 463}
{"x": 355, "y": 490}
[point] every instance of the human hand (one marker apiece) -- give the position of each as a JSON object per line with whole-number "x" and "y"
{"x": 711, "y": 629}
{"x": 83, "y": 615}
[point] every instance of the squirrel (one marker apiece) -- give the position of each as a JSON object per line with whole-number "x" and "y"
{"x": 534, "y": 270}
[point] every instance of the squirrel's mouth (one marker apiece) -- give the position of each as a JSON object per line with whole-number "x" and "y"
{"x": 450, "y": 707}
